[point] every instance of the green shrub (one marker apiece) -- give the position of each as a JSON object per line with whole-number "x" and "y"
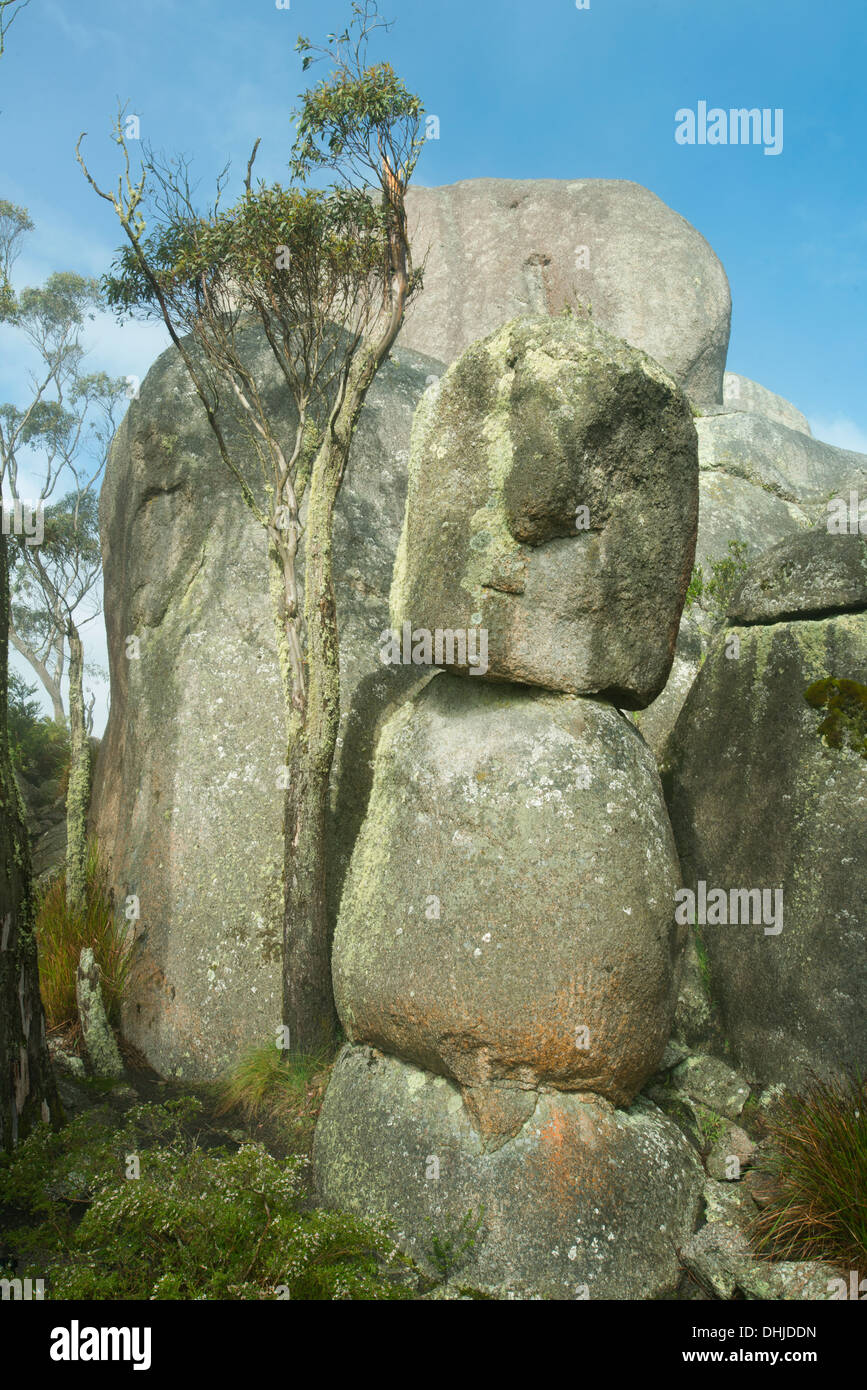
{"x": 715, "y": 594}
{"x": 62, "y": 932}
{"x": 452, "y": 1246}
{"x": 818, "y": 1163}
{"x": 39, "y": 747}
{"x": 197, "y": 1224}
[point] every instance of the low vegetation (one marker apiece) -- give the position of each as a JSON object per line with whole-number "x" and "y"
{"x": 183, "y": 1221}
{"x": 818, "y": 1162}
{"x": 714, "y": 594}
{"x": 63, "y": 930}
{"x": 270, "y": 1087}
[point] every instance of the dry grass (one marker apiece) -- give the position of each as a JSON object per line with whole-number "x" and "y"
{"x": 818, "y": 1162}
{"x": 62, "y": 933}
{"x": 270, "y": 1087}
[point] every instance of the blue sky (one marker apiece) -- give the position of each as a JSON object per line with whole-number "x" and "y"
{"x": 523, "y": 89}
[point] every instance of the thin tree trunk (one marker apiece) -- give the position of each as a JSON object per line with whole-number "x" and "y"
{"x": 27, "y": 1090}
{"x": 78, "y": 794}
{"x": 308, "y": 998}
{"x": 52, "y": 687}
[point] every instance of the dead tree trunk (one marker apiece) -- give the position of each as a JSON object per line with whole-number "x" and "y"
{"x": 78, "y": 794}
{"x": 27, "y": 1091}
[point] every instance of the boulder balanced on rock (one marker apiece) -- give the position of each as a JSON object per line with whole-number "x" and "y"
{"x": 553, "y": 503}
{"x": 508, "y": 917}
{"x": 506, "y": 953}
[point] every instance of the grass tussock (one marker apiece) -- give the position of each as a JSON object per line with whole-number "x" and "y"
{"x": 269, "y": 1086}
{"x": 818, "y": 1162}
{"x": 62, "y": 932}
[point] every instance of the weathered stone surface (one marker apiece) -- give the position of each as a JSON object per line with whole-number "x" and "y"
{"x": 730, "y": 1202}
{"x": 186, "y": 801}
{"x": 710, "y": 1081}
{"x": 747, "y": 739}
{"x": 720, "y": 1258}
{"x": 514, "y": 246}
{"x": 763, "y": 1187}
{"x": 760, "y": 483}
{"x": 808, "y": 576}
{"x": 99, "y": 1040}
{"x": 539, "y": 420}
{"x": 583, "y": 1200}
{"x": 811, "y": 1281}
{"x": 513, "y": 883}
{"x": 733, "y": 1143}
{"x": 784, "y": 462}
{"x": 739, "y": 393}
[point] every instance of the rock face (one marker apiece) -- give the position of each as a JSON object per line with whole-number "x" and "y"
{"x": 186, "y": 801}
{"x": 760, "y": 483}
{"x": 584, "y": 1200}
{"x": 497, "y": 248}
{"x": 810, "y": 576}
{"x": 507, "y": 918}
{"x": 765, "y": 793}
{"x": 739, "y": 393}
{"x": 783, "y": 462}
{"x": 553, "y": 504}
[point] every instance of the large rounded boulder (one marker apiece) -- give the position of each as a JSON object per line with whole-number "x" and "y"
{"x": 508, "y": 917}
{"x": 583, "y": 1202}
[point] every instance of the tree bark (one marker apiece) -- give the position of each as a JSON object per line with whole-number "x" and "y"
{"x": 308, "y": 997}
{"x": 78, "y": 794}
{"x": 52, "y": 687}
{"x": 27, "y": 1089}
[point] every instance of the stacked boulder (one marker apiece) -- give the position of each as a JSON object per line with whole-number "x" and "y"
{"x": 506, "y": 954}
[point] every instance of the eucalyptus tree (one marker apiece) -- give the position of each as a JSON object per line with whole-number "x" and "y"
{"x": 8, "y": 11}
{"x": 327, "y": 275}
{"x": 27, "y": 1089}
{"x": 55, "y": 439}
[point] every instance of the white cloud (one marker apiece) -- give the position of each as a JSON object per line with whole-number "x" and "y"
{"x": 840, "y": 430}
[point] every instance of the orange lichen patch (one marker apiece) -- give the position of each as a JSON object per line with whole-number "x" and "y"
{"x": 570, "y": 1156}
{"x": 490, "y": 1037}
{"x": 558, "y": 1159}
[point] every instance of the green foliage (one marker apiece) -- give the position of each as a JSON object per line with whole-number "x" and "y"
{"x": 449, "y": 1249}
{"x": 39, "y": 747}
{"x": 715, "y": 594}
{"x": 703, "y": 959}
{"x": 197, "y": 1224}
{"x": 711, "y": 1125}
{"x": 360, "y": 117}
{"x": 818, "y": 1162}
{"x": 62, "y": 931}
{"x": 846, "y": 703}
{"x": 277, "y": 247}
{"x": 66, "y": 301}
